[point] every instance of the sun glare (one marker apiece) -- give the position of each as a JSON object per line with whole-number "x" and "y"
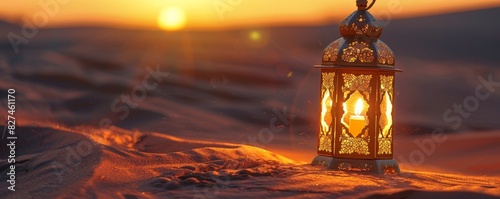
{"x": 172, "y": 18}
{"x": 255, "y": 35}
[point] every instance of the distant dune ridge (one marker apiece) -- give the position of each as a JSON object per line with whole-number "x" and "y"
{"x": 185, "y": 138}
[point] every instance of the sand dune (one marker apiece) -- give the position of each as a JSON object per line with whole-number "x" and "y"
{"x": 88, "y": 163}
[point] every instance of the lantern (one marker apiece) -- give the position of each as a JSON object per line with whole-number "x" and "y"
{"x": 357, "y": 98}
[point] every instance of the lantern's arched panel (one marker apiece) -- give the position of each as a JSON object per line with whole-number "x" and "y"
{"x": 385, "y": 116}
{"x": 356, "y": 108}
{"x": 327, "y": 117}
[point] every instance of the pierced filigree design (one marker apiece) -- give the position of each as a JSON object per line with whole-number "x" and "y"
{"x": 365, "y": 167}
{"x": 386, "y": 83}
{"x": 385, "y": 54}
{"x": 361, "y": 19}
{"x": 331, "y": 52}
{"x": 325, "y": 143}
{"x": 327, "y": 79}
{"x": 350, "y": 145}
{"x": 364, "y": 29}
{"x": 352, "y": 27}
{"x": 344, "y": 166}
{"x": 358, "y": 51}
{"x": 384, "y": 146}
{"x": 320, "y": 162}
{"x": 359, "y": 31}
{"x": 353, "y": 82}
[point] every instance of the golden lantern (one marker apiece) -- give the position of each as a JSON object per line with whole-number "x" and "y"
{"x": 357, "y": 98}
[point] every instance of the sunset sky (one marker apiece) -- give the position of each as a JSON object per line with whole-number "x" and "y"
{"x": 216, "y": 14}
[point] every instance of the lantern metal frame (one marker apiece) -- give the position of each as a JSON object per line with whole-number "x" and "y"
{"x": 357, "y": 64}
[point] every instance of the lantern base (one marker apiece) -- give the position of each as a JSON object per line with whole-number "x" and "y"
{"x": 376, "y": 166}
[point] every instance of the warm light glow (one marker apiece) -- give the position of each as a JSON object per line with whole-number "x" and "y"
{"x": 220, "y": 14}
{"x": 326, "y": 106}
{"x": 217, "y": 14}
{"x": 172, "y": 18}
{"x": 257, "y": 38}
{"x": 255, "y": 35}
{"x": 357, "y": 122}
{"x": 388, "y": 114}
{"x": 359, "y": 107}
{"x": 354, "y": 107}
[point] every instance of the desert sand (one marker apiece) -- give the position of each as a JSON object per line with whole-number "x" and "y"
{"x": 196, "y": 133}
{"x": 117, "y": 163}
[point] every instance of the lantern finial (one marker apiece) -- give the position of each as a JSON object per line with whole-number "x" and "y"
{"x": 363, "y": 4}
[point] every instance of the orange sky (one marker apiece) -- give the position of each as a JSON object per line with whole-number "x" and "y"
{"x": 216, "y": 14}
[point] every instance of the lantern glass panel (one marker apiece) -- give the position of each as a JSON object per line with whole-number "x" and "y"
{"x": 386, "y": 109}
{"x": 386, "y": 115}
{"x": 355, "y": 117}
{"x": 327, "y": 89}
{"x": 356, "y": 90}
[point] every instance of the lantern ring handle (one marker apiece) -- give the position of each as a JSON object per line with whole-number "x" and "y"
{"x": 371, "y": 5}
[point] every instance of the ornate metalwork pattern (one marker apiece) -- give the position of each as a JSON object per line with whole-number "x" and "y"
{"x": 362, "y": 29}
{"x": 325, "y": 138}
{"x": 386, "y": 84}
{"x": 358, "y": 51}
{"x": 385, "y": 54}
{"x": 325, "y": 143}
{"x": 349, "y": 145}
{"x": 365, "y": 167}
{"x": 344, "y": 166}
{"x": 327, "y": 79}
{"x": 320, "y": 162}
{"x": 353, "y": 83}
{"x": 331, "y": 52}
{"x": 349, "y": 108}
{"x": 347, "y": 26}
{"x": 384, "y": 146}
{"x": 354, "y": 27}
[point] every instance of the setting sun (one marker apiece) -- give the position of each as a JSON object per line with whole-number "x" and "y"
{"x": 172, "y": 18}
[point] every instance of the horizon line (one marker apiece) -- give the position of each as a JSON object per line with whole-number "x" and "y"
{"x": 318, "y": 23}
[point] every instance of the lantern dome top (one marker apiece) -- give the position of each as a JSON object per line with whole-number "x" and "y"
{"x": 361, "y": 23}
{"x": 360, "y": 45}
